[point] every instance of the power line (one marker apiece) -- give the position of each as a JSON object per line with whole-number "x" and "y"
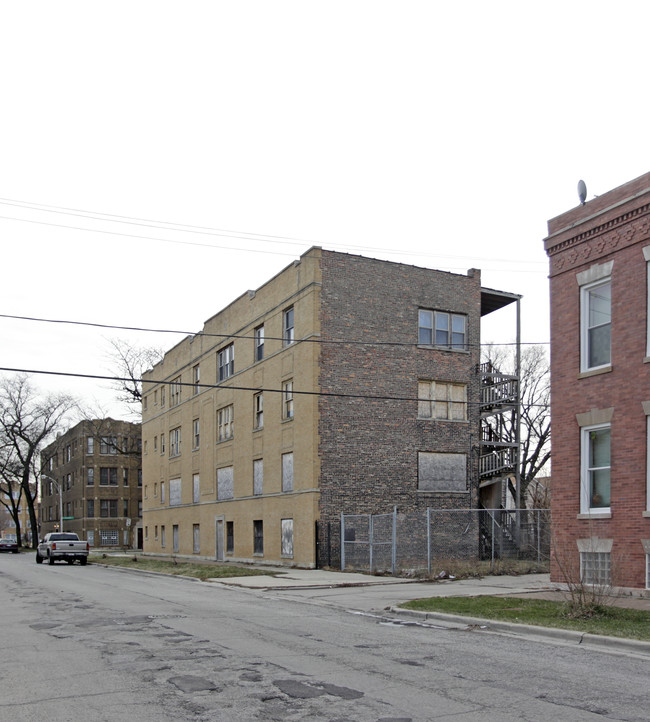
{"x": 243, "y": 336}
{"x": 254, "y": 389}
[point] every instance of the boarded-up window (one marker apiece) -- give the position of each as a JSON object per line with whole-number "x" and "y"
{"x": 225, "y": 483}
{"x": 258, "y": 476}
{"x": 287, "y": 472}
{"x": 441, "y": 400}
{"x": 287, "y": 537}
{"x": 442, "y": 472}
{"x": 196, "y": 537}
{"x": 174, "y": 492}
{"x": 196, "y": 487}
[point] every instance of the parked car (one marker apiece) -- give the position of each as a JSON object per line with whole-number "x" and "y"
{"x": 6, "y": 545}
{"x": 62, "y": 545}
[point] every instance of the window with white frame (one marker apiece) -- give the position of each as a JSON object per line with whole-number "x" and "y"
{"x": 225, "y": 483}
{"x": 596, "y": 466}
{"x": 196, "y": 379}
{"x": 287, "y": 472}
{"x": 90, "y": 476}
{"x": 175, "y": 442}
{"x": 287, "y": 400}
{"x": 258, "y": 410}
{"x": 225, "y": 423}
{"x": 90, "y": 445}
{"x": 596, "y": 325}
{"x": 226, "y": 362}
{"x": 258, "y": 476}
{"x": 196, "y": 488}
{"x": 175, "y": 391}
{"x": 287, "y": 537}
{"x": 442, "y": 400}
{"x": 646, "y": 255}
{"x": 174, "y": 492}
{"x": 196, "y": 434}
{"x": 259, "y": 343}
{"x": 287, "y": 327}
{"x": 441, "y": 328}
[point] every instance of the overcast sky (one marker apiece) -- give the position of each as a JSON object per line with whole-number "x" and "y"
{"x": 437, "y": 134}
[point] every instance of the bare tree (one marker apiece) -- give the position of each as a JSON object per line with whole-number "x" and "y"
{"x": 129, "y": 363}
{"x": 535, "y": 427}
{"x": 28, "y": 421}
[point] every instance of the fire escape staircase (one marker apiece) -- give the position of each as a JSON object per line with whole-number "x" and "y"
{"x": 499, "y": 452}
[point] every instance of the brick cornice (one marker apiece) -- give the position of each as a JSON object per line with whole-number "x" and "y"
{"x": 601, "y": 240}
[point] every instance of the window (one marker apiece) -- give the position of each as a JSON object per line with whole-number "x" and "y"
{"x": 155, "y": 531}
{"x": 595, "y": 448}
{"x": 196, "y": 488}
{"x": 226, "y": 362}
{"x": 258, "y": 536}
{"x": 155, "y": 397}
{"x": 139, "y": 477}
{"x": 287, "y": 400}
{"x": 595, "y": 568}
{"x": 175, "y": 390}
{"x": 175, "y": 546}
{"x": 107, "y": 508}
{"x": 162, "y": 492}
{"x": 196, "y": 434}
{"x": 439, "y": 400}
{"x": 259, "y": 343}
{"x": 108, "y": 445}
{"x": 90, "y": 508}
{"x": 258, "y": 405}
{"x": 287, "y": 538}
{"x": 287, "y": 472}
{"x": 258, "y": 476}
{"x": 162, "y": 443}
{"x": 175, "y": 442}
{"x": 287, "y": 327}
{"x": 162, "y": 535}
{"x": 68, "y": 453}
{"x": 145, "y": 402}
{"x": 196, "y": 538}
{"x": 90, "y": 537}
{"x": 442, "y": 472}
{"x": 225, "y": 483}
{"x": 596, "y": 325}
{"x": 174, "y": 492}
{"x": 225, "y": 423}
{"x": 108, "y": 476}
{"x": 125, "y": 477}
{"x": 196, "y": 379}
{"x": 90, "y": 445}
{"x": 155, "y": 443}
{"x": 108, "y": 537}
{"x": 439, "y": 328}
{"x": 90, "y": 476}
{"x": 162, "y": 396}
{"x": 125, "y": 507}
{"x": 230, "y": 537}
{"x": 140, "y": 508}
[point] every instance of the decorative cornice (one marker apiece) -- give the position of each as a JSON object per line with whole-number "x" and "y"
{"x": 600, "y": 241}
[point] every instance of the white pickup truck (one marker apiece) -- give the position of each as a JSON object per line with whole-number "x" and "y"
{"x": 62, "y": 545}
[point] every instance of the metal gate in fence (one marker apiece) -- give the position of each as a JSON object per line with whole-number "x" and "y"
{"x": 368, "y": 541}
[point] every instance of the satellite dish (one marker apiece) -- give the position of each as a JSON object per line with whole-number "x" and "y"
{"x": 582, "y": 191}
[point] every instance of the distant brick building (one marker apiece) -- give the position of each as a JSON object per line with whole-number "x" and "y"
{"x": 600, "y": 387}
{"x": 96, "y": 466}
{"x": 342, "y": 385}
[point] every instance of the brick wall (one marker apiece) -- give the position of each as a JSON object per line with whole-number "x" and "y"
{"x": 369, "y": 447}
{"x": 615, "y": 227}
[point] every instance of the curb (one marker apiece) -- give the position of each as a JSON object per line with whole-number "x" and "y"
{"x": 620, "y": 644}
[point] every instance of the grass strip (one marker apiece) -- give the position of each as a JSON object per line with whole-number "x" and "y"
{"x": 607, "y": 620}
{"x": 201, "y": 571}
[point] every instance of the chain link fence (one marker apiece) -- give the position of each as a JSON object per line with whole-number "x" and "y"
{"x": 418, "y": 541}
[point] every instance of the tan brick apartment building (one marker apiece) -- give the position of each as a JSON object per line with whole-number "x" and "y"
{"x": 98, "y": 466}
{"x": 343, "y": 385}
{"x": 599, "y": 257}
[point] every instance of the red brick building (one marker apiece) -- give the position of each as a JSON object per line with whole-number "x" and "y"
{"x": 599, "y": 257}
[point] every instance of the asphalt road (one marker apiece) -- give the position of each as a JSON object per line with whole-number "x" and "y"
{"x": 93, "y": 643}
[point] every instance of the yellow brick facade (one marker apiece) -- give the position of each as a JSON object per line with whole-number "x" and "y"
{"x": 199, "y": 495}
